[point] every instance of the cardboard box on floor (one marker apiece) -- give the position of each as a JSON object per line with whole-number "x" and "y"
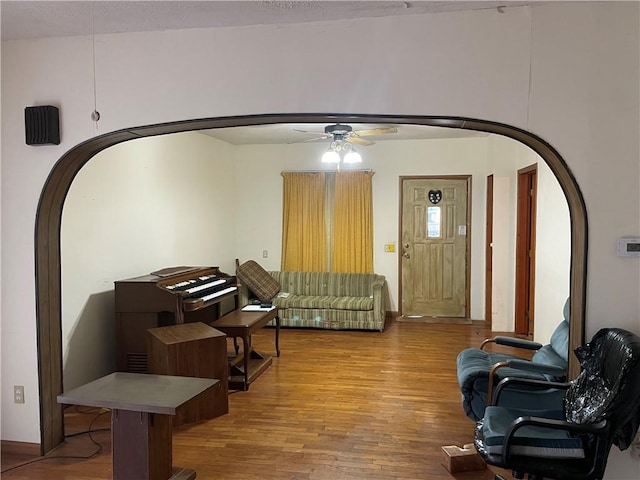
{"x": 465, "y": 459}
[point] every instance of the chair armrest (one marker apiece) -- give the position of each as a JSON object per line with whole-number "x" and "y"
{"x": 540, "y": 385}
{"x": 599, "y": 429}
{"x": 524, "y": 365}
{"x": 537, "y": 367}
{"x": 513, "y": 342}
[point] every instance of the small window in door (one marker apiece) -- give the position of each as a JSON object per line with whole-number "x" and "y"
{"x": 433, "y": 222}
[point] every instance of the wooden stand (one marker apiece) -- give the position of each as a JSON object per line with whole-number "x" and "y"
{"x": 141, "y": 426}
{"x": 465, "y": 459}
{"x": 192, "y": 350}
{"x": 246, "y": 367}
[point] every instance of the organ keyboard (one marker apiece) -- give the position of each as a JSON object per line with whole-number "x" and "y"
{"x": 167, "y": 297}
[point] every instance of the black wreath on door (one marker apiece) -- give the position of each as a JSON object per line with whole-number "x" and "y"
{"x": 435, "y": 196}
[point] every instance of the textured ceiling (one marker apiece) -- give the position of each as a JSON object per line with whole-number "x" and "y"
{"x": 289, "y": 133}
{"x": 41, "y": 19}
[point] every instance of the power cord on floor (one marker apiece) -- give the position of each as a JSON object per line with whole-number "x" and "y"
{"x": 88, "y": 432}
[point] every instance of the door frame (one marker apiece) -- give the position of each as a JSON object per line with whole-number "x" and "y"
{"x": 488, "y": 253}
{"x": 525, "y": 286}
{"x": 467, "y": 266}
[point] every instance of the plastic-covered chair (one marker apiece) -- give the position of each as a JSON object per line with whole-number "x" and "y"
{"x": 478, "y": 369}
{"x": 600, "y": 408}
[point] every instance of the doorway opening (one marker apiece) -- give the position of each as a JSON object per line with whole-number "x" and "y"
{"x": 49, "y": 216}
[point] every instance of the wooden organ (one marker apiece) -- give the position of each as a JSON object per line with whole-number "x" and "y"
{"x": 170, "y": 296}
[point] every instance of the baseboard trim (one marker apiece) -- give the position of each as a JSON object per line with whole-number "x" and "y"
{"x": 436, "y": 320}
{"x": 20, "y": 448}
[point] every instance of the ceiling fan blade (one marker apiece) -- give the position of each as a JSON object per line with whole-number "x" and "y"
{"x": 375, "y": 131}
{"x": 314, "y": 139}
{"x": 306, "y": 131}
{"x": 359, "y": 141}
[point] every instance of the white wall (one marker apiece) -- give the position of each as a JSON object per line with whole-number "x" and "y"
{"x": 585, "y": 103}
{"x": 583, "y": 99}
{"x": 135, "y": 208}
{"x": 502, "y": 255}
{"x": 504, "y": 160}
{"x": 553, "y": 253}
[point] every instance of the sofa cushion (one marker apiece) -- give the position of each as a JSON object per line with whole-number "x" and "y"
{"x": 258, "y": 280}
{"x": 350, "y": 284}
{"x": 352, "y": 303}
{"x": 302, "y": 283}
{"x": 308, "y": 301}
{"x": 326, "y": 283}
{"x": 324, "y": 302}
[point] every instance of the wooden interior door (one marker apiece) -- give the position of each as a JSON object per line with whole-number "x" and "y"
{"x": 526, "y": 250}
{"x": 435, "y": 223}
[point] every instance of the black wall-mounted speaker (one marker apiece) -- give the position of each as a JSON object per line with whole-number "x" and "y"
{"x": 42, "y": 125}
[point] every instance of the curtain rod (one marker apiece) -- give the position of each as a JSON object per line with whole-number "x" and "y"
{"x": 367, "y": 170}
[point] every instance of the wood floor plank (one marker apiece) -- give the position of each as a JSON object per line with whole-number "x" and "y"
{"x": 334, "y": 405}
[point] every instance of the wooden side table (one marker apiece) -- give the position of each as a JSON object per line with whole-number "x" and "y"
{"x": 141, "y": 426}
{"x": 192, "y": 350}
{"x": 245, "y": 368}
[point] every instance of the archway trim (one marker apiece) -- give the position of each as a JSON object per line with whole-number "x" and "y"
{"x": 48, "y": 286}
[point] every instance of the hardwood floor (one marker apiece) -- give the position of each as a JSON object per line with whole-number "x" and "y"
{"x": 335, "y": 405}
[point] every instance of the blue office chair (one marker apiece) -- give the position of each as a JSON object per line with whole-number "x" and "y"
{"x": 479, "y": 369}
{"x": 572, "y": 440}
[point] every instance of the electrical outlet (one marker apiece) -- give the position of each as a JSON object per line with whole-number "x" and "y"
{"x": 265, "y": 253}
{"x": 18, "y": 394}
{"x": 634, "y": 448}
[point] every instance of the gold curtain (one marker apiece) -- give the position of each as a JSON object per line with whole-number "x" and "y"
{"x": 352, "y": 249}
{"x": 303, "y": 222}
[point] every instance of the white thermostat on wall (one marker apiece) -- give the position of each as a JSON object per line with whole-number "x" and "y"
{"x": 629, "y": 247}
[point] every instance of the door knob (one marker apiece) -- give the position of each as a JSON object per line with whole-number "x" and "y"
{"x": 406, "y": 255}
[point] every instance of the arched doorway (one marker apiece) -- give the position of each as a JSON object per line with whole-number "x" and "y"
{"x": 49, "y": 215}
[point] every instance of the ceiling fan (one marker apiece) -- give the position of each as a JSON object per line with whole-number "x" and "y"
{"x": 340, "y": 132}
{"x": 343, "y": 137}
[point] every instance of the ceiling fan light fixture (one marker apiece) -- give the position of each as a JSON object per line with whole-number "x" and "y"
{"x": 352, "y": 157}
{"x": 330, "y": 156}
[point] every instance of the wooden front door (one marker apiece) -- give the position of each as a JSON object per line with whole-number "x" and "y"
{"x": 435, "y": 246}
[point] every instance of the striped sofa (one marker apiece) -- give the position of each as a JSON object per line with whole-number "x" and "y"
{"x": 337, "y": 301}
